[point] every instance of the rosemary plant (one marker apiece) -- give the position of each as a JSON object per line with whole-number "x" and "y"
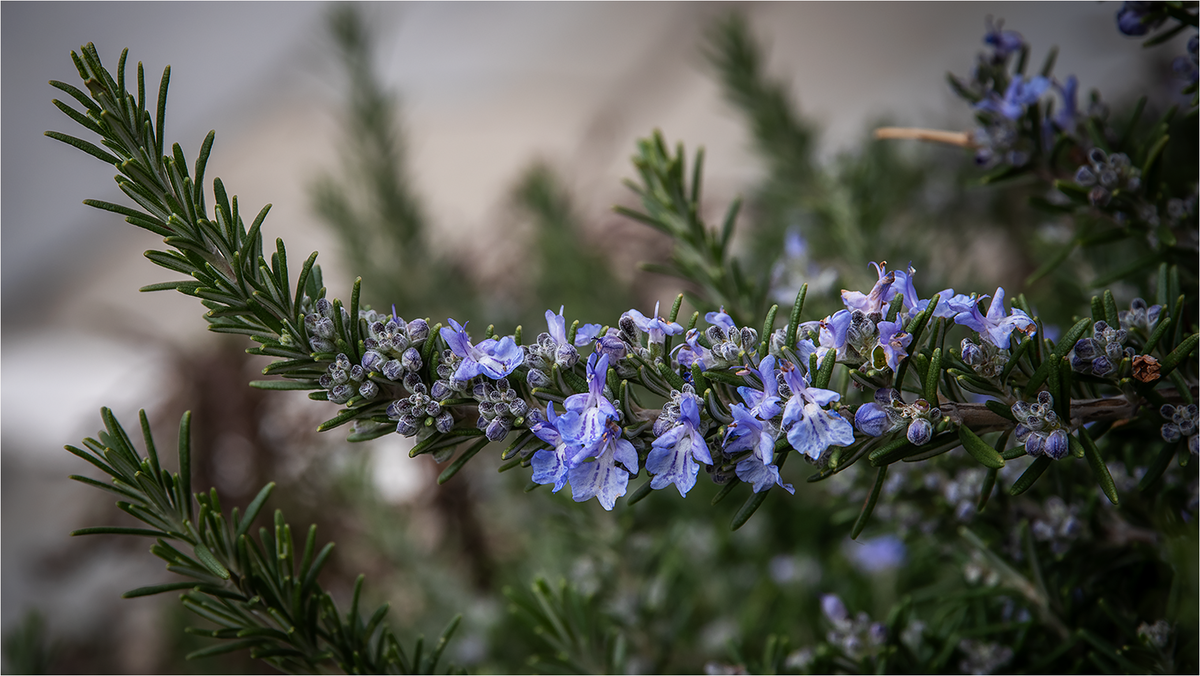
{"x": 1023, "y": 414}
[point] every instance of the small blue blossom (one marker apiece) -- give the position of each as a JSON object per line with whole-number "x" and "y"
{"x": 593, "y": 408}
{"x": 761, "y": 476}
{"x": 561, "y": 432}
{"x": 1064, "y": 119}
{"x": 876, "y": 555}
{"x": 602, "y": 478}
{"x": 1133, "y": 19}
{"x": 876, "y": 301}
{"x": 811, "y": 429}
{"x": 656, "y": 326}
{"x": 1004, "y": 43}
{"x": 492, "y": 358}
{"x": 675, "y": 453}
{"x": 763, "y": 403}
{"x": 997, "y": 326}
{"x": 558, "y": 329}
{"x": 749, "y": 433}
{"x": 1020, "y": 94}
{"x": 832, "y": 333}
{"x": 894, "y": 340}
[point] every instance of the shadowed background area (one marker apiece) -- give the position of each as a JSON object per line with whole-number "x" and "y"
{"x": 485, "y": 92}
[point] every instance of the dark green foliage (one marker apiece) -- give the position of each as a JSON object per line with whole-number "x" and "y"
{"x": 262, "y": 594}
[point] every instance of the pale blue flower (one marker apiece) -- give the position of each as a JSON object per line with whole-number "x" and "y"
{"x": 561, "y": 432}
{"x": 810, "y": 428}
{"x": 895, "y": 341}
{"x": 558, "y": 329}
{"x": 997, "y": 326}
{"x": 763, "y": 403}
{"x": 607, "y": 476}
{"x": 593, "y": 408}
{"x": 876, "y": 301}
{"x": 1003, "y": 42}
{"x": 749, "y": 433}
{"x": 656, "y": 326}
{"x": 675, "y": 453}
{"x": 760, "y": 476}
{"x": 492, "y": 358}
{"x": 1020, "y": 94}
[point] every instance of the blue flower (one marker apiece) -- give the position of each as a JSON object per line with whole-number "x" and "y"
{"x": 558, "y": 329}
{"x": 876, "y": 555}
{"x": 692, "y": 352}
{"x": 894, "y": 340}
{"x": 675, "y": 453}
{"x": 1065, "y": 118}
{"x": 1132, "y": 17}
{"x": 950, "y": 304}
{"x": 996, "y": 327}
{"x": 561, "y": 432}
{"x": 657, "y": 327}
{"x": 601, "y": 478}
{"x": 593, "y": 408}
{"x": 811, "y": 429}
{"x": 760, "y": 476}
{"x": 492, "y": 358}
{"x": 877, "y": 300}
{"x": 832, "y": 333}
{"x": 1003, "y": 42}
{"x": 763, "y": 403}
{"x": 747, "y": 432}
{"x": 721, "y": 319}
{"x": 1020, "y": 93}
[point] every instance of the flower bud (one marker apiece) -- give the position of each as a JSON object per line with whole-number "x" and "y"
{"x": 411, "y": 359}
{"x": 518, "y": 407}
{"x": 392, "y": 369}
{"x": 749, "y": 339}
{"x": 1085, "y": 177}
{"x": 536, "y": 378}
{"x": 715, "y": 334}
{"x": 413, "y": 383}
{"x": 444, "y": 421}
{"x": 398, "y": 409}
{"x": 498, "y": 429}
{"x": 1101, "y": 366}
{"x": 357, "y": 373}
{"x": 373, "y": 360}
{"x": 433, "y": 409}
{"x": 871, "y": 419}
{"x": 418, "y": 330}
{"x": 407, "y": 425}
{"x": 566, "y": 355}
{"x": 339, "y": 376}
{"x": 1034, "y": 443}
{"x": 919, "y": 432}
{"x": 325, "y": 381}
{"x": 834, "y": 609}
{"x": 368, "y": 389}
{"x": 440, "y": 391}
{"x": 324, "y": 307}
{"x": 1057, "y": 444}
{"x": 341, "y": 394}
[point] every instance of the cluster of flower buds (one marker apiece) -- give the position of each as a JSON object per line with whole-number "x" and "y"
{"x": 980, "y": 657}
{"x": 1059, "y": 525}
{"x": 409, "y": 413}
{"x": 1101, "y": 354}
{"x": 857, "y": 637}
{"x": 1108, "y": 175}
{"x": 343, "y": 380}
{"x": 889, "y": 413}
{"x": 984, "y": 358}
{"x": 1181, "y": 424}
{"x": 1039, "y": 427}
{"x": 499, "y": 408}
{"x": 320, "y": 325}
{"x": 1139, "y": 316}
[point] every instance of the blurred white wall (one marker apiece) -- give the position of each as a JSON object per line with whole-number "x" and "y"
{"x": 486, "y": 88}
